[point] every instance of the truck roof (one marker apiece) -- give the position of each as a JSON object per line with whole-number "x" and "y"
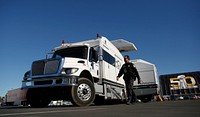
{"x": 143, "y": 64}
{"x": 121, "y": 44}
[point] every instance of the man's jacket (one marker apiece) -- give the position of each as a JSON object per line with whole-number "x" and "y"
{"x": 129, "y": 71}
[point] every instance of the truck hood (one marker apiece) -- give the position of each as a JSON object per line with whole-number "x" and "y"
{"x": 74, "y": 62}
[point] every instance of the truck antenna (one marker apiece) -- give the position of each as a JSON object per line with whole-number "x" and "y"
{"x": 63, "y": 42}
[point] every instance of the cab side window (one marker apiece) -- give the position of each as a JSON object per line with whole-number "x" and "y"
{"x": 108, "y": 58}
{"x": 93, "y": 55}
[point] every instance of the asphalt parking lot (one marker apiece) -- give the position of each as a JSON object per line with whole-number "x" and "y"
{"x": 183, "y": 108}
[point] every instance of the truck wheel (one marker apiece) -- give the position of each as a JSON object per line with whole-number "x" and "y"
{"x": 146, "y": 99}
{"x": 84, "y": 93}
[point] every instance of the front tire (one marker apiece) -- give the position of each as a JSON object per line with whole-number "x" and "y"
{"x": 39, "y": 103}
{"x": 36, "y": 99}
{"x": 84, "y": 93}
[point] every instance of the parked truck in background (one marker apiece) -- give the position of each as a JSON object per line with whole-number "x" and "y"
{"x": 15, "y": 97}
{"x": 180, "y": 85}
{"x": 149, "y": 86}
{"x": 83, "y": 73}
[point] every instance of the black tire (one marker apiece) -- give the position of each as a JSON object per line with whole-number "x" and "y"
{"x": 146, "y": 99}
{"x": 39, "y": 103}
{"x": 84, "y": 93}
{"x": 35, "y": 100}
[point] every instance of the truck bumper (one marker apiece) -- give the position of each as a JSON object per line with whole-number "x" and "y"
{"x": 50, "y": 81}
{"x": 150, "y": 89}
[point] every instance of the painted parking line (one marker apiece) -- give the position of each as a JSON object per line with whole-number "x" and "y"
{"x": 44, "y": 112}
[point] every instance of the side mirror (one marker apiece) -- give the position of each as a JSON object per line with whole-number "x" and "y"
{"x": 49, "y": 55}
{"x": 93, "y": 55}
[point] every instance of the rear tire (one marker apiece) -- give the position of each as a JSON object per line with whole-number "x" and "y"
{"x": 146, "y": 99}
{"x": 84, "y": 93}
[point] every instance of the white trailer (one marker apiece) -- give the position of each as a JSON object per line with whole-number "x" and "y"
{"x": 149, "y": 86}
{"x": 83, "y": 72}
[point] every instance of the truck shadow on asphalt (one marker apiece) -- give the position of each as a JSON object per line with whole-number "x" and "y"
{"x": 104, "y": 103}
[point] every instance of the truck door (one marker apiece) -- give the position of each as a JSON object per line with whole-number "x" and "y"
{"x": 93, "y": 62}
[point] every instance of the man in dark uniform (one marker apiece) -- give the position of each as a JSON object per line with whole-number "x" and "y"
{"x": 130, "y": 73}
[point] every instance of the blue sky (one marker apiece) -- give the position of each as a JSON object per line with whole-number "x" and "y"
{"x": 166, "y": 32}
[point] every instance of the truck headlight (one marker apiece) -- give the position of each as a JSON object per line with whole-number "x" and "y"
{"x": 69, "y": 70}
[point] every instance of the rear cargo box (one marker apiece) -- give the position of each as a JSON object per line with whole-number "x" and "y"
{"x": 149, "y": 82}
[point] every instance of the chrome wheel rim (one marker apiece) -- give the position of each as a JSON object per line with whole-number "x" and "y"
{"x": 84, "y": 92}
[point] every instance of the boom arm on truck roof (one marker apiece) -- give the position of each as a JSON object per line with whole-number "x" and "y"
{"x": 123, "y": 45}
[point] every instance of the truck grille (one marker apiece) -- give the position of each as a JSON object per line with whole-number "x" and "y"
{"x": 46, "y": 82}
{"x": 45, "y": 67}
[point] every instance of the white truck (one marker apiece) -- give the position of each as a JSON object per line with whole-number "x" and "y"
{"x": 83, "y": 73}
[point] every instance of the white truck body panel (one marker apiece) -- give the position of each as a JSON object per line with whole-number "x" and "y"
{"x": 147, "y": 71}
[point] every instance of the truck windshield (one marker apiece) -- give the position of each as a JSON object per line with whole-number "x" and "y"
{"x": 75, "y": 52}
